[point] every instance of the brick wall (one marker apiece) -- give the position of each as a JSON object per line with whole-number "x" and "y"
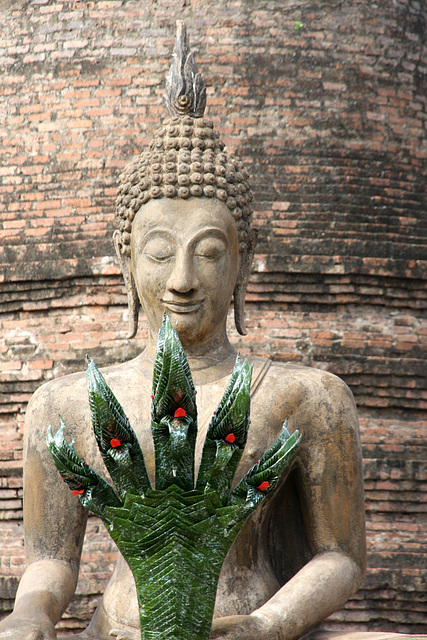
{"x": 326, "y": 103}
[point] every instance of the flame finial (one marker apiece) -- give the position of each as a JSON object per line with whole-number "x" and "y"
{"x": 185, "y": 90}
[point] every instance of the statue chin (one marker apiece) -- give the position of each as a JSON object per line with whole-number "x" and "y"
{"x": 187, "y": 325}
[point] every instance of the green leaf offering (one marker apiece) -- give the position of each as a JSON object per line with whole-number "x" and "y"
{"x": 174, "y": 537}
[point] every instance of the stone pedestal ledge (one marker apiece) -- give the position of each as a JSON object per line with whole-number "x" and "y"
{"x": 363, "y": 635}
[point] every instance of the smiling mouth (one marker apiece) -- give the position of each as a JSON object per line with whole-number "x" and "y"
{"x": 182, "y": 307}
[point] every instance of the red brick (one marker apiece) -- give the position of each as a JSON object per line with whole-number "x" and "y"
{"x": 40, "y": 364}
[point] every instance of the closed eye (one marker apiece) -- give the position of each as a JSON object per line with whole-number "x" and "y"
{"x": 211, "y": 255}
{"x": 158, "y": 249}
{"x": 158, "y": 258}
{"x": 210, "y": 249}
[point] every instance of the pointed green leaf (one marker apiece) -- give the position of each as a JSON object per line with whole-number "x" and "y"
{"x": 96, "y": 494}
{"x": 115, "y": 437}
{"x": 263, "y": 477}
{"x": 173, "y": 412}
{"x": 227, "y": 434}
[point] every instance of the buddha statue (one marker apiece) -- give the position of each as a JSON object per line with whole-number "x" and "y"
{"x": 185, "y": 246}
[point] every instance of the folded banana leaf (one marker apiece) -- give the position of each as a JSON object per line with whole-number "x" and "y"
{"x": 174, "y": 537}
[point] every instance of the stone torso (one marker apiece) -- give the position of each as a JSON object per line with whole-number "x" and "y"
{"x": 243, "y": 572}
{"x": 274, "y": 543}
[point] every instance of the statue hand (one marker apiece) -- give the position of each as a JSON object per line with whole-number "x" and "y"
{"x": 19, "y": 626}
{"x": 119, "y": 634}
{"x": 254, "y": 626}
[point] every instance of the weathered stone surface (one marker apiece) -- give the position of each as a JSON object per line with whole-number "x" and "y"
{"x": 331, "y": 120}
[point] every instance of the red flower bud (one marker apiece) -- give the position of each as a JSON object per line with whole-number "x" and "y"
{"x": 77, "y": 492}
{"x": 230, "y": 438}
{"x": 179, "y": 413}
{"x": 115, "y": 442}
{"x": 263, "y": 486}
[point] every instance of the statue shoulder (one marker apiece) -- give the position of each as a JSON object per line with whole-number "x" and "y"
{"x": 52, "y": 398}
{"x": 305, "y": 394}
{"x": 67, "y": 396}
{"x": 292, "y": 374}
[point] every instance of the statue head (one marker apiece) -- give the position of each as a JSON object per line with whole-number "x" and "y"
{"x": 185, "y": 161}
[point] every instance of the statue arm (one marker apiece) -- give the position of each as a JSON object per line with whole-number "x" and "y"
{"x": 317, "y": 590}
{"x": 330, "y": 482}
{"x": 54, "y": 527}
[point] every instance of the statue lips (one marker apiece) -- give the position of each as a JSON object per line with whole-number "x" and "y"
{"x": 177, "y": 306}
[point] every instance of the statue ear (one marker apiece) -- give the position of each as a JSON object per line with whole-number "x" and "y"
{"x": 133, "y": 301}
{"x": 242, "y": 281}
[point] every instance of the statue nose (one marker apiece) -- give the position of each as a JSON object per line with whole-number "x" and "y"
{"x": 183, "y": 278}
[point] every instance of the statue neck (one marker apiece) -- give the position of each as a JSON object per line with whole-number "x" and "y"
{"x": 208, "y": 361}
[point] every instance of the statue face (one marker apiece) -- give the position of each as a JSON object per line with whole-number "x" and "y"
{"x": 185, "y": 260}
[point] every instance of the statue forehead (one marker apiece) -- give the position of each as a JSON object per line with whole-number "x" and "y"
{"x": 184, "y": 215}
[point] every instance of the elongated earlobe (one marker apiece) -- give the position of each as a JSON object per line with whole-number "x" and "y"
{"x": 133, "y": 301}
{"x": 242, "y": 282}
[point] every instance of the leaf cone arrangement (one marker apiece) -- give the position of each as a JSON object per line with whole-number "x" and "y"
{"x": 175, "y": 537}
